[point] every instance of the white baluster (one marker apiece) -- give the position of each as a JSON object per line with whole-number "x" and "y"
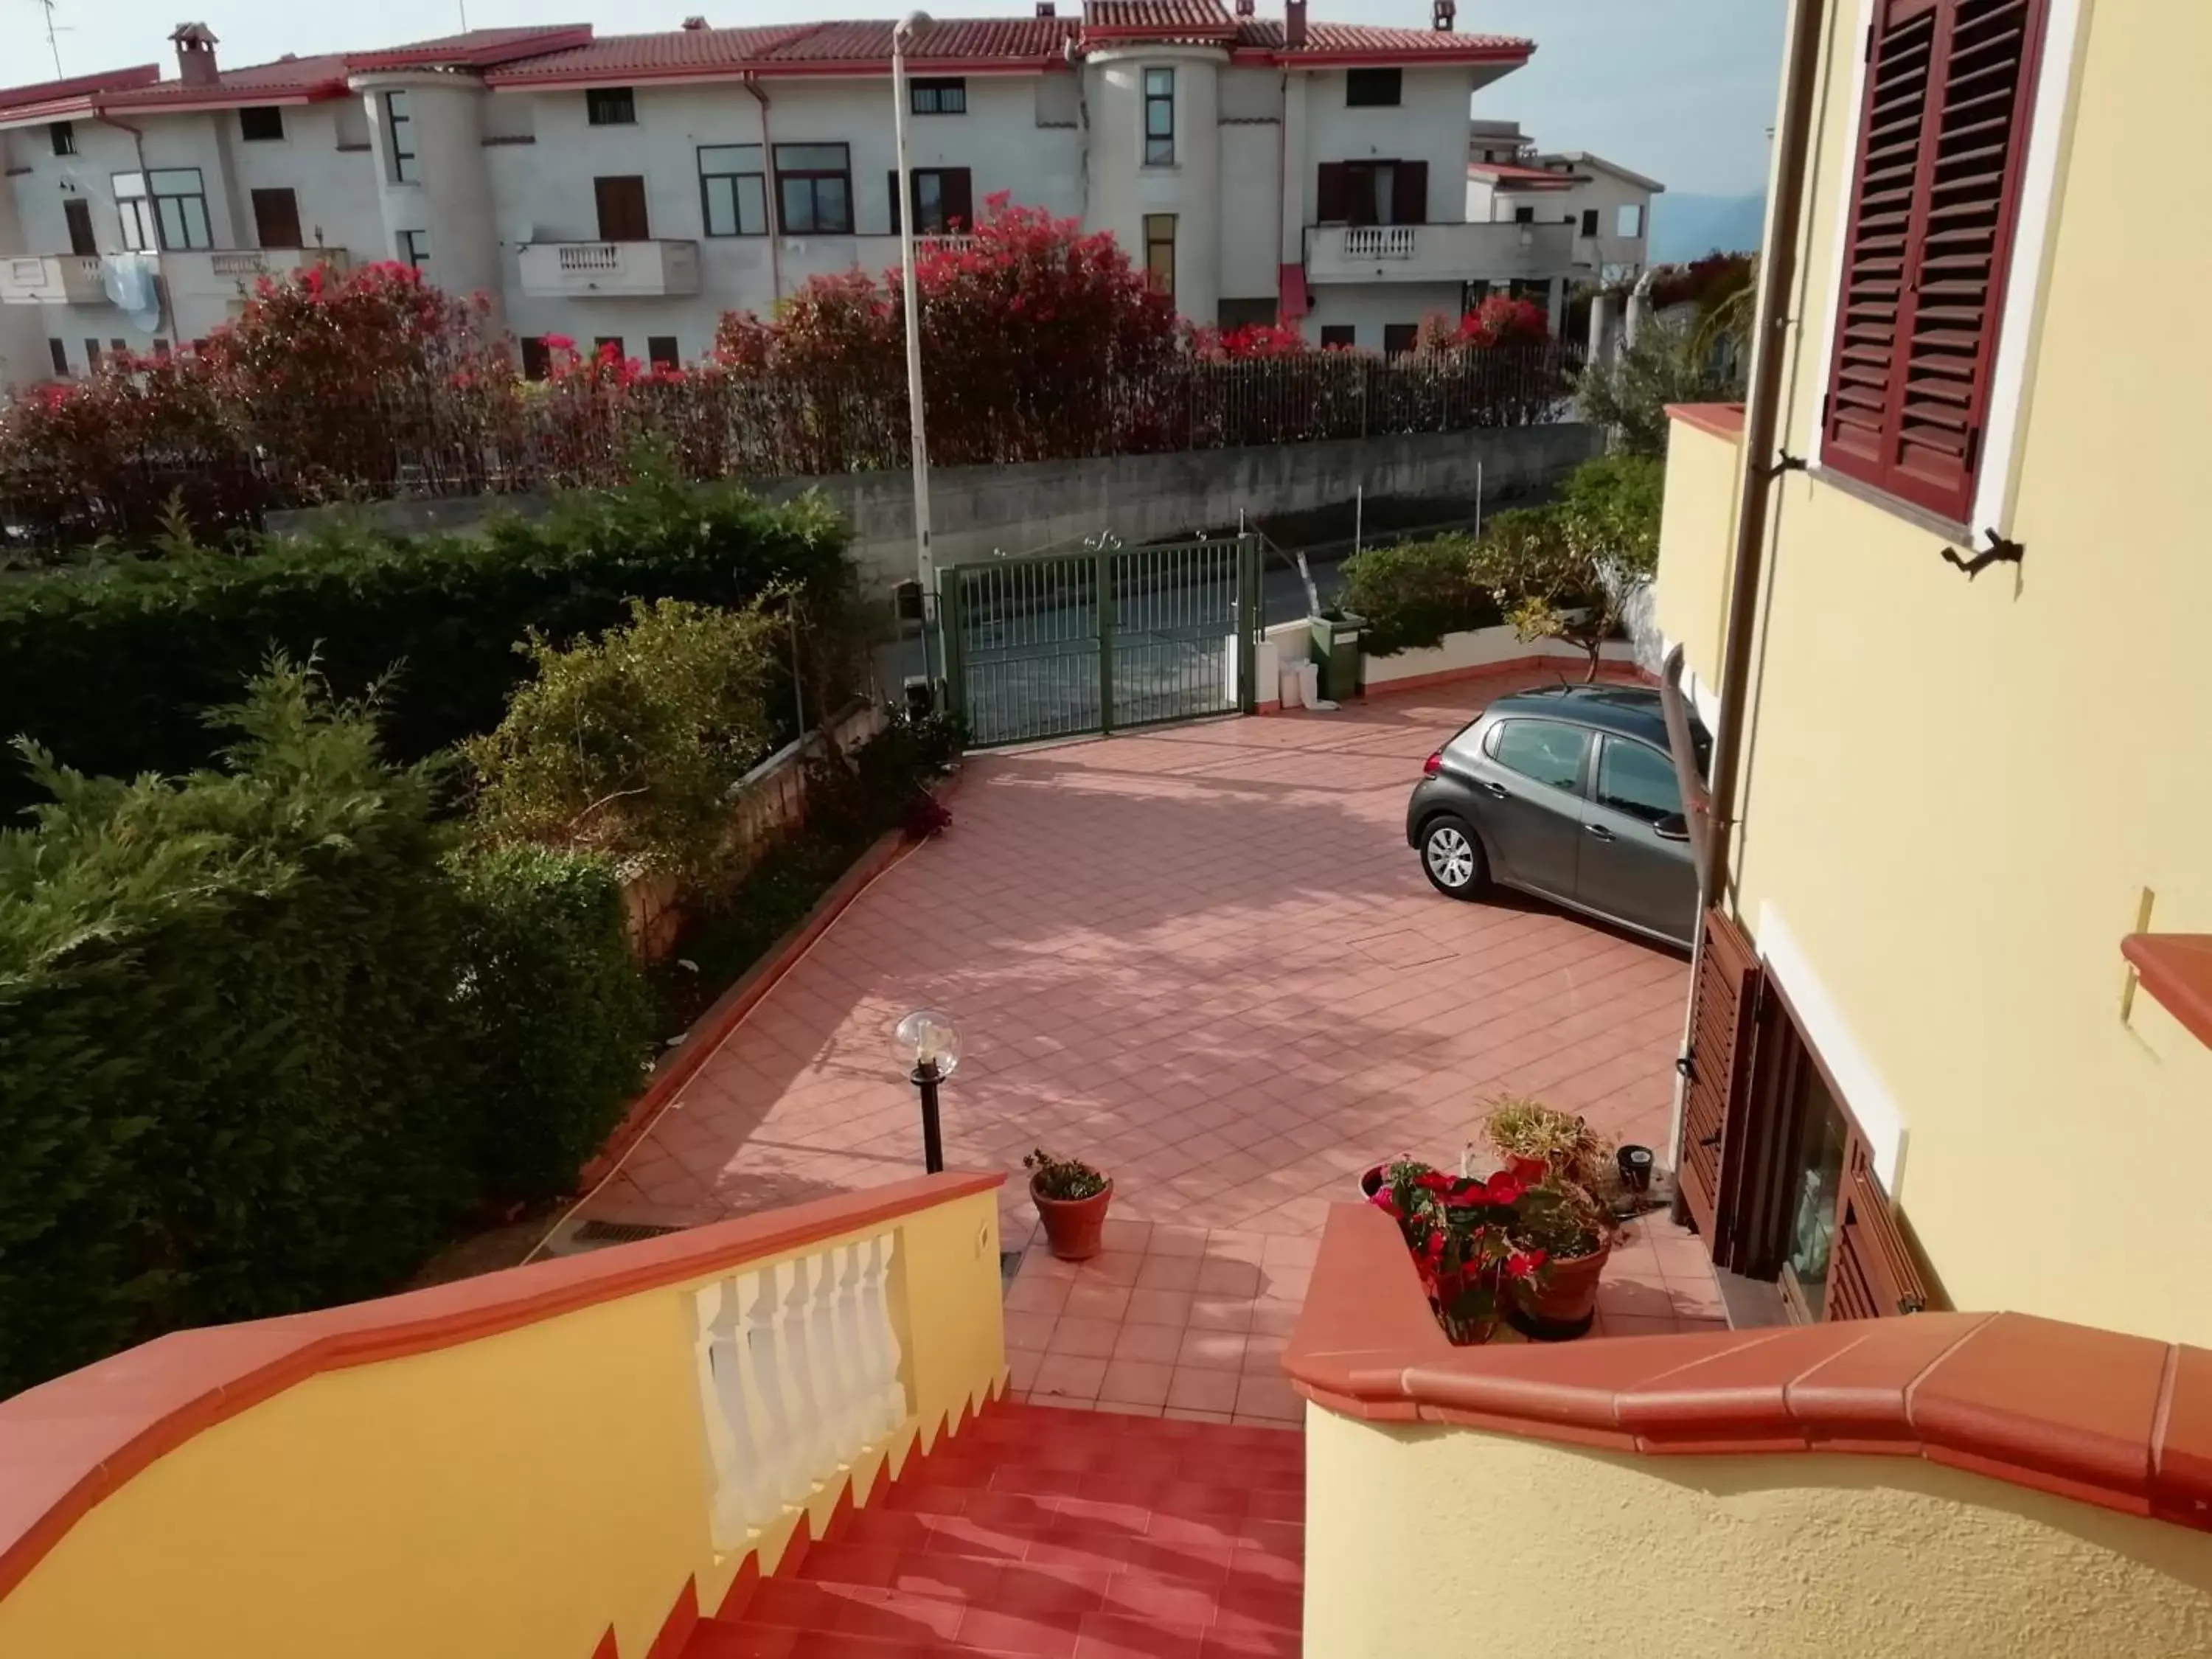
{"x": 855, "y": 1411}
{"x": 741, "y": 1503}
{"x": 811, "y": 1451}
{"x": 886, "y": 1391}
{"x": 766, "y": 1343}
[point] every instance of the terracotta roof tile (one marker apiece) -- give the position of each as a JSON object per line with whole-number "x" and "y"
{"x": 47, "y": 92}
{"x": 477, "y": 49}
{"x": 1199, "y": 20}
{"x": 1361, "y": 40}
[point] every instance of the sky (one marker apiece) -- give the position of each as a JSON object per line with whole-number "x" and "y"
{"x": 1682, "y": 90}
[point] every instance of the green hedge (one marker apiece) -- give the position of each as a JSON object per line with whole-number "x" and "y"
{"x": 1413, "y": 593}
{"x": 563, "y": 1021}
{"x": 260, "y": 1050}
{"x": 114, "y": 668}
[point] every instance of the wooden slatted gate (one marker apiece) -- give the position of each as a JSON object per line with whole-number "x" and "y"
{"x": 1061, "y": 644}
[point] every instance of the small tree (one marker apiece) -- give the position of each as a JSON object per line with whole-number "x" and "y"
{"x": 1570, "y": 571}
{"x": 630, "y": 743}
{"x": 1670, "y": 363}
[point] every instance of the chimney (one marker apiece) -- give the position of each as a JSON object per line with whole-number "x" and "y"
{"x": 1294, "y": 24}
{"x": 693, "y": 25}
{"x": 195, "y": 44}
{"x": 1244, "y": 8}
{"x": 1044, "y": 8}
{"x": 1441, "y": 15}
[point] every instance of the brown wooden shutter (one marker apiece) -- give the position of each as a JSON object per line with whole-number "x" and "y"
{"x": 956, "y": 194}
{"x": 1871, "y": 1273}
{"x": 1721, "y": 1031}
{"x": 1409, "y": 193}
{"x": 1332, "y": 194}
{"x": 276, "y": 218}
{"x": 622, "y": 208}
{"x": 1943, "y": 136}
{"x": 893, "y": 190}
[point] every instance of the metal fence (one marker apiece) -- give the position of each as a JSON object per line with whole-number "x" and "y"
{"x": 228, "y": 469}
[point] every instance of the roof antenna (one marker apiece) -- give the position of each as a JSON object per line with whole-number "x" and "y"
{"x": 53, "y": 45}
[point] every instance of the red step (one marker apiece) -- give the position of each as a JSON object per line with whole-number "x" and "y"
{"x": 1050, "y": 1534}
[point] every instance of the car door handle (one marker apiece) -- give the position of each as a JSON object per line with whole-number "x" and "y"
{"x": 1497, "y": 789}
{"x": 1598, "y": 831}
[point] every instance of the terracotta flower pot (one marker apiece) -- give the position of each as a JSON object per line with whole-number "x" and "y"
{"x": 1559, "y": 1303}
{"x": 1073, "y": 1226}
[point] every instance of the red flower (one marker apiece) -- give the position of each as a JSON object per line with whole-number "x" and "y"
{"x": 1529, "y": 1170}
{"x": 1522, "y": 1263}
{"x": 1436, "y": 1244}
{"x": 1434, "y": 1181}
{"x": 1504, "y": 1188}
{"x": 559, "y": 343}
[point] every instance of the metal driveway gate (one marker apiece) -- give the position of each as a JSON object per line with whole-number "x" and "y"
{"x": 1056, "y": 644}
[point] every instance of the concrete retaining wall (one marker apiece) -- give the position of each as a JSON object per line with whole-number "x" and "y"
{"x": 979, "y": 510}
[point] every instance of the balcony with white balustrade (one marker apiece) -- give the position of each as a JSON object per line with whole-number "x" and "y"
{"x": 55, "y": 279}
{"x": 581, "y": 270}
{"x": 1438, "y": 253}
{"x": 229, "y": 274}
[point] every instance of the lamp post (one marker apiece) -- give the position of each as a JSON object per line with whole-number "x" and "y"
{"x": 930, "y": 1042}
{"x": 925, "y": 560}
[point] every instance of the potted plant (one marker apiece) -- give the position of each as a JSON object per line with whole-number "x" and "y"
{"x": 1460, "y": 1230}
{"x": 1070, "y": 1198}
{"x": 1567, "y": 1214}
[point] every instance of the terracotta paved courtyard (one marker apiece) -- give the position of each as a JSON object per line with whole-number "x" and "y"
{"x": 1205, "y": 960}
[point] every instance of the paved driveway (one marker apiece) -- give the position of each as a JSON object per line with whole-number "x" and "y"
{"x": 1205, "y": 959}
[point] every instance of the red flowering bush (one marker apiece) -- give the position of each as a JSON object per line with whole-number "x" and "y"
{"x": 1030, "y": 325}
{"x": 1462, "y": 1232}
{"x": 323, "y": 387}
{"x": 1497, "y": 321}
{"x": 1254, "y": 340}
{"x": 333, "y": 374}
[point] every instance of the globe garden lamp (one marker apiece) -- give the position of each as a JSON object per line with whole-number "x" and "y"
{"x": 930, "y": 1042}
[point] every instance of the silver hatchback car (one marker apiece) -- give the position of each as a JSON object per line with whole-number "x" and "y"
{"x": 1567, "y": 793}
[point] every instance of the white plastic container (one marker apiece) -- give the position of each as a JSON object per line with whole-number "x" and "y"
{"x": 1291, "y": 687}
{"x": 1309, "y": 684}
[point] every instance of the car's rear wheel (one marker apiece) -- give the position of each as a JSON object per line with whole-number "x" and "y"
{"x": 1451, "y": 858}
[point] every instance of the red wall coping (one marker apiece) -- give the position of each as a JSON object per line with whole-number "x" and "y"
{"x": 2121, "y": 1421}
{"x": 2176, "y": 970}
{"x": 67, "y": 1444}
{"x": 1721, "y": 420}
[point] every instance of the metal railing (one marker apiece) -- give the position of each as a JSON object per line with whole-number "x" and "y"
{"x": 441, "y": 440}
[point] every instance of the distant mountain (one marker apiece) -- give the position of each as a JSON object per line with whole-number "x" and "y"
{"x": 1686, "y": 227}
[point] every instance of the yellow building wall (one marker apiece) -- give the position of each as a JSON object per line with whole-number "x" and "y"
{"x": 505, "y": 1498}
{"x": 1696, "y": 537}
{"x": 1457, "y": 1541}
{"x": 1955, "y": 792}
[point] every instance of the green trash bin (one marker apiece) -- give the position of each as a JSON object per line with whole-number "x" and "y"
{"x": 1336, "y": 649}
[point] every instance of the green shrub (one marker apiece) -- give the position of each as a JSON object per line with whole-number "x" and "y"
{"x": 630, "y": 743}
{"x": 1414, "y": 593}
{"x": 266, "y": 1036}
{"x": 563, "y": 1025}
{"x": 234, "y": 1076}
{"x": 114, "y": 668}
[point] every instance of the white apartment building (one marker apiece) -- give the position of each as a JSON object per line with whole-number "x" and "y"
{"x": 1594, "y": 213}
{"x": 635, "y": 188}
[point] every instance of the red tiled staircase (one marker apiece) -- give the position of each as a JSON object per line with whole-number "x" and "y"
{"x": 1038, "y": 1531}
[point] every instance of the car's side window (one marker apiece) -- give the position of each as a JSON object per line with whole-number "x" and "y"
{"x": 1543, "y": 751}
{"x": 1637, "y": 780}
